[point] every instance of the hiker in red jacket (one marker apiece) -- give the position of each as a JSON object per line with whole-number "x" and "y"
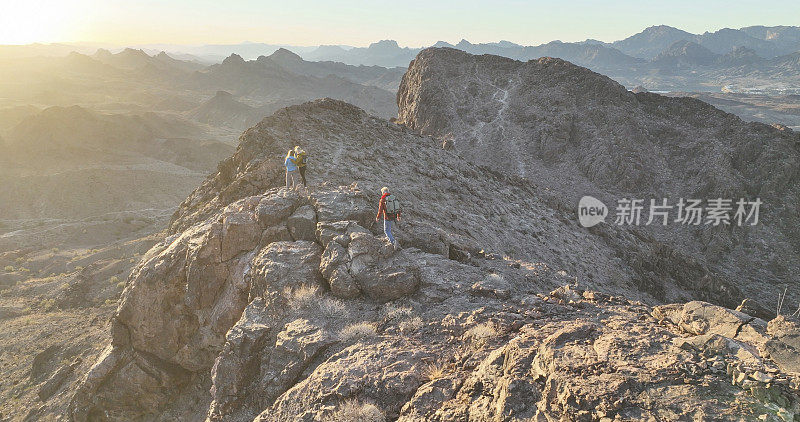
{"x": 389, "y": 209}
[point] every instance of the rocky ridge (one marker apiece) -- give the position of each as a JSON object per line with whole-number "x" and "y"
{"x": 265, "y": 304}
{"x": 575, "y": 132}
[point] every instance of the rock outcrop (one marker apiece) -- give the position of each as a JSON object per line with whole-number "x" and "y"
{"x": 575, "y": 132}
{"x": 267, "y": 304}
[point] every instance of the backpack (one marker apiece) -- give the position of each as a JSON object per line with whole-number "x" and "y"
{"x": 392, "y": 205}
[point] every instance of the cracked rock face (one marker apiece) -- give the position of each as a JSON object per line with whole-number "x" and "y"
{"x": 272, "y": 305}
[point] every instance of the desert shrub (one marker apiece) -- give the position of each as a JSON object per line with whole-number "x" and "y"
{"x": 20, "y": 260}
{"x": 480, "y": 333}
{"x": 121, "y": 285}
{"x": 357, "y": 331}
{"x": 24, "y": 270}
{"x": 301, "y": 296}
{"x": 434, "y": 371}
{"x": 47, "y": 304}
{"x": 8, "y": 269}
{"x": 397, "y": 313}
{"x": 333, "y": 308}
{"x": 356, "y": 411}
{"x": 410, "y": 325}
{"x": 113, "y": 280}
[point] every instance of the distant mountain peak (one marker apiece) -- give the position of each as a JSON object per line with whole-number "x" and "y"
{"x": 283, "y": 55}
{"x": 661, "y": 29}
{"x": 102, "y": 52}
{"x": 134, "y": 51}
{"x": 506, "y": 44}
{"x": 385, "y": 44}
{"x": 688, "y": 52}
{"x": 233, "y": 59}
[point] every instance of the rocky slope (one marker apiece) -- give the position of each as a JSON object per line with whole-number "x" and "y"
{"x": 576, "y": 133}
{"x": 72, "y": 163}
{"x": 224, "y": 110}
{"x": 271, "y": 305}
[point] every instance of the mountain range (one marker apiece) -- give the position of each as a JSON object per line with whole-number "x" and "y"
{"x": 265, "y": 304}
{"x": 661, "y": 58}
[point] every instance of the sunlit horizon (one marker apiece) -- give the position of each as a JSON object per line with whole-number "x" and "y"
{"x": 116, "y": 23}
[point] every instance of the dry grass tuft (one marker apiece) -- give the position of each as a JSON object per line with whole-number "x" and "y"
{"x": 333, "y": 308}
{"x": 357, "y": 331}
{"x": 410, "y": 325}
{"x": 436, "y": 370}
{"x": 481, "y": 333}
{"x": 301, "y": 296}
{"x": 397, "y": 313}
{"x": 356, "y": 411}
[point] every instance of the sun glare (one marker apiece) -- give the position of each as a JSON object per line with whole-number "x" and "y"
{"x": 24, "y": 22}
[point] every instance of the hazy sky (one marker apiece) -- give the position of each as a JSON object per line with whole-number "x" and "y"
{"x": 356, "y": 22}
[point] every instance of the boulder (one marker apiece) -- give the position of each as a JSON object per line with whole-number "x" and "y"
{"x": 275, "y": 234}
{"x": 185, "y": 295}
{"x": 427, "y": 399}
{"x": 343, "y": 285}
{"x": 493, "y": 285}
{"x": 784, "y": 343}
{"x": 381, "y": 373}
{"x": 714, "y": 344}
{"x": 702, "y": 317}
{"x": 233, "y": 369}
{"x": 334, "y": 256}
{"x": 49, "y": 387}
{"x": 240, "y": 232}
{"x": 274, "y": 208}
{"x": 423, "y": 237}
{"x": 386, "y": 279}
{"x": 303, "y": 223}
{"x": 381, "y": 273}
{"x": 285, "y": 264}
{"x": 296, "y": 346}
{"x": 343, "y": 203}
{"x": 327, "y": 230}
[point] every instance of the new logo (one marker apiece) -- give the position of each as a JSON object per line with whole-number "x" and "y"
{"x": 591, "y": 211}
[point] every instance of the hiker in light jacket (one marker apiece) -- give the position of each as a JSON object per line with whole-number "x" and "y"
{"x": 388, "y": 217}
{"x": 291, "y": 170}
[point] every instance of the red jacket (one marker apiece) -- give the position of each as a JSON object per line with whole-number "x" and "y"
{"x": 382, "y": 209}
